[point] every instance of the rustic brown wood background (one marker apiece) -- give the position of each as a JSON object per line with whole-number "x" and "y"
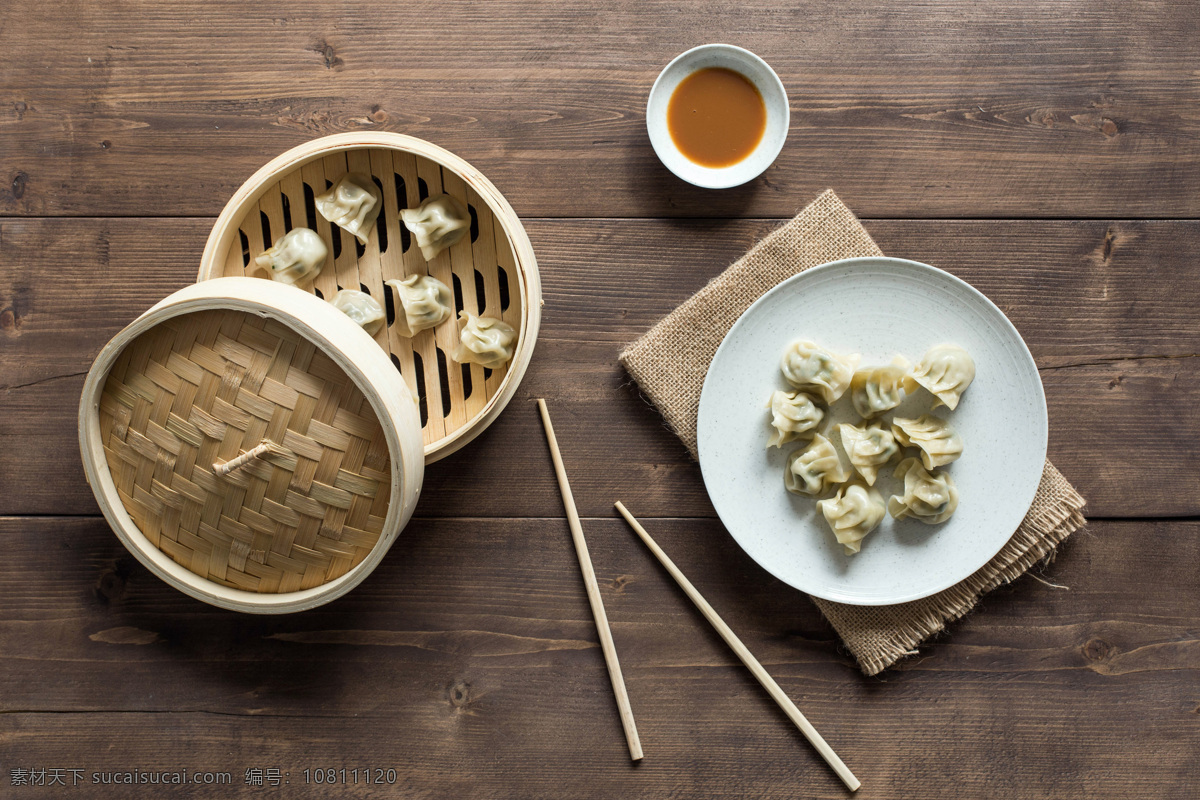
{"x": 1047, "y": 152}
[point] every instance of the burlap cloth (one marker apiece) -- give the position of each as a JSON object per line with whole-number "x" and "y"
{"x": 670, "y": 362}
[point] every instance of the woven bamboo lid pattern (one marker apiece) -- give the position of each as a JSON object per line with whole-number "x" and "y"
{"x": 237, "y": 429}
{"x": 205, "y": 387}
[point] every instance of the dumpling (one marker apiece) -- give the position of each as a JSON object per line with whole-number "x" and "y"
{"x": 360, "y": 307}
{"x": 868, "y": 448}
{"x": 852, "y": 513}
{"x": 426, "y": 301}
{"x": 930, "y": 497}
{"x": 353, "y": 204}
{"x": 792, "y": 414}
{"x": 485, "y": 341}
{"x": 875, "y": 390}
{"x": 814, "y": 469}
{"x": 939, "y": 443}
{"x": 946, "y": 370}
{"x": 296, "y": 256}
{"x": 437, "y": 223}
{"x": 811, "y": 368}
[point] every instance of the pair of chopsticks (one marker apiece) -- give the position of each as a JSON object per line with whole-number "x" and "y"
{"x": 610, "y": 652}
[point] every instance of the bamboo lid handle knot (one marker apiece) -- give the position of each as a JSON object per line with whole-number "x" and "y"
{"x": 262, "y": 448}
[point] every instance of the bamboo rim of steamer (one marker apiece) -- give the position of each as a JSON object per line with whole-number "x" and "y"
{"x": 467, "y": 418}
{"x": 342, "y": 341}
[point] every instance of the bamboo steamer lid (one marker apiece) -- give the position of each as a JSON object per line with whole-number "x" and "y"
{"x": 251, "y": 445}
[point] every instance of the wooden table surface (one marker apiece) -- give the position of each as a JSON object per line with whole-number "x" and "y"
{"x": 1047, "y": 152}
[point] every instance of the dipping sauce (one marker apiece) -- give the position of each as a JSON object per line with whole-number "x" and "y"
{"x": 716, "y": 117}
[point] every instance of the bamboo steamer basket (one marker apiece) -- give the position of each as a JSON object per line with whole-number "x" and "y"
{"x": 251, "y": 445}
{"x": 493, "y": 271}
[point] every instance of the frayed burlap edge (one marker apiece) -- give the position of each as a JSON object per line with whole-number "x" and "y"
{"x": 671, "y": 361}
{"x": 879, "y": 636}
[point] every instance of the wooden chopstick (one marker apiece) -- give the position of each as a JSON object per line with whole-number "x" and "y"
{"x": 747, "y": 658}
{"x": 593, "y": 592}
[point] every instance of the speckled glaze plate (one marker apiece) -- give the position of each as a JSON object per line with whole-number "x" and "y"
{"x": 877, "y": 307}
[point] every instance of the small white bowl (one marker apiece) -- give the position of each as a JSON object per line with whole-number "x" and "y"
{"x": 759, "y": 73}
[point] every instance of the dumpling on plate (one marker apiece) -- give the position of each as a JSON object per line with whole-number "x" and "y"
{"x": 938, "y": 442}
{"x": 426, "y": 302}
{"x": 811, "y": 368}
{"x": 296, "y": 256}
{"x": 437, "y": 223}
{"x": 485, "y": 341}
{"x": 792, "y": 415}
{"x": 868, "y": 448}
{"x": 814, "y": 469}
{"x": 930, "y": 497}
{"x": 360, "y": 307}
{"x": 852, "y": 513}
{"x": 946, "y": 370}
{"x": 874, "y": 390}
{"x": 352, "y": 203}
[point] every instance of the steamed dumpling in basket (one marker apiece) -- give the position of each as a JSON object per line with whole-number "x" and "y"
{"x": 438, "y": 223}
{"x": 426, "y": 302}
{"x": 352, "y": 204}
{"x": 485, "y": 341}
{"x": 295, "y": 257}
{"x": 360, "y": 307}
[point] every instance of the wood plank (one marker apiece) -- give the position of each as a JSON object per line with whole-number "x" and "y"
{"x": 468, "y": 662}
{"x": 1017, "y": 108}
{"x": 483, "y": 632}
{"x": 1108, "y": 309}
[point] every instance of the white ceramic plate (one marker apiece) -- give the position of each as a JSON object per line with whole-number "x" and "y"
{"x": 877, "y": 307}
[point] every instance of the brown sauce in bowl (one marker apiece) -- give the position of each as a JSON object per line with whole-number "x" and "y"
{"x": 716, "y": 117}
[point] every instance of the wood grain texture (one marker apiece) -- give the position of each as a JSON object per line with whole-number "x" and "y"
{"x": 1107, "y": 308}
{"x": 595, "y": 599}
{"x": 472, "y": 680}
{"x": 1019, "y": 108}
{"x": 1022, "y": 145}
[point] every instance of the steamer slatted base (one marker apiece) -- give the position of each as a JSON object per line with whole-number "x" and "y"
{"x": 481, "y": 269}
{"x": 203, "y": 387}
